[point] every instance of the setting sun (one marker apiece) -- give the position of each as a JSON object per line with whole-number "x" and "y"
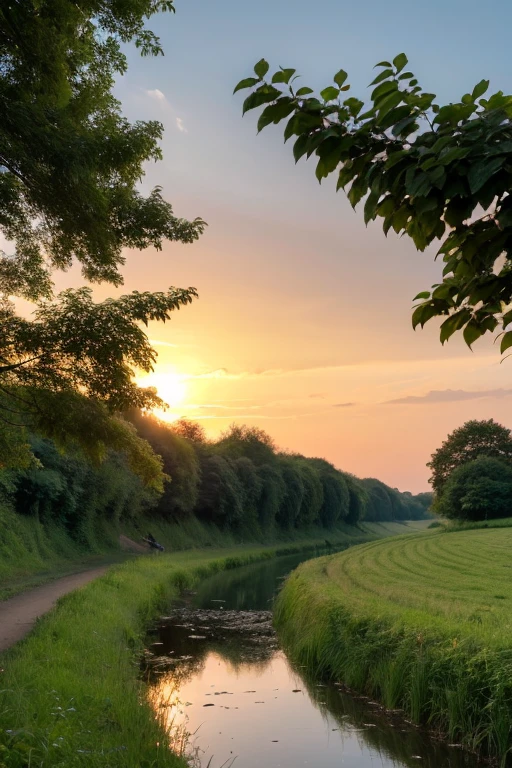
{"x": 170, "y": 386}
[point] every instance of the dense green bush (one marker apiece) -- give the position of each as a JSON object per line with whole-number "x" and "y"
{"x": 478, "y": 490}
{"x": 66, "y": 489}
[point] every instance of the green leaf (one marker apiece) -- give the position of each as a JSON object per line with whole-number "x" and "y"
{"x": 406, "y": 76}
{"x": 472, "y": 332}
{"x": 248, "y": 82}
{"x": 261, "y": 68}
{"x": 400, "y": 218}
{"x": 424, "y": 313}
{"x": 370, "y": 207}
{"x": 340, "y": 77}
{"x": 387, "y": 206}
{"x": 400, "y": 61}
{"x": 396, "y": 157}
{"x": 263, "y": 95}
{"x": 382, "y": 76}
{"x": 383, "y": 89}
{"x": 482, "y": 172}
{"x": 422, "y": 295}
{"x": 387, "y": 104}
{"x": 276, "y": 112}
{"x": 458, "y": 210}
{"x": 405, "y": 126}
{"x": 505, "y": 216}
{"x": 419, "y": 186}
{"x": 506, "y": 341}
{"x": 456, "y": 153}
{"x": 346, "y": 174}
{"x": 330, "y": 93}
{"x": 354, "y": 105}
{"x": 357, "y": 191}
{"x": 437, "y": 176}
{"x": 286, "y": 75}
{"x": 329, "y": 152}
{"x": 304, "y": 91}
{"x": 480, "y": 89}
{"x": 301, "y": 122}
{"x": 454, "y": 323}
{"x": 383, "y": 64}
{"x": 507, "y": 318}
{"x": 300, "y": 147}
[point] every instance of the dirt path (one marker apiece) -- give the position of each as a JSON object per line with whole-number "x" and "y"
{"x": 18, "y": 614}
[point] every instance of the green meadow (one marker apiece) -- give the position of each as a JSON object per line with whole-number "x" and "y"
{"x": 423, "y": 623}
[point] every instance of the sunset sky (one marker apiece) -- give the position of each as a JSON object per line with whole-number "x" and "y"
{"x": 303, "y": 322}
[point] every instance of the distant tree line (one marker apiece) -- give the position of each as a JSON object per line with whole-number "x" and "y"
{"x": 240, "y": 482}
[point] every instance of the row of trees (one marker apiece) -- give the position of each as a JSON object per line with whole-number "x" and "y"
{"x": 241, "y": 483}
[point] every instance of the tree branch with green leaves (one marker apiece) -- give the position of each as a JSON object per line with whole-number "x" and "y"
{"x": 434, "y": 173}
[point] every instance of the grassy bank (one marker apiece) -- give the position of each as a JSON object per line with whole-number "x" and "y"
{"x": 421, "y": 622}
{"x": 70, "y": 694}
{"x": 32, "y": 553}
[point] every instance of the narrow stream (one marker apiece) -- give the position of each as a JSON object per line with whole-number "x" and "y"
{"x": 229, "y": 696}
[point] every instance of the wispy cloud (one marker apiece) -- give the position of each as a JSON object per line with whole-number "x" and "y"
{"x": 369, "y": 365}
{"x": 449, "y": 396}
{"x": 216, "y": 407}
{"x": 157, "y": 95}
{"x": 157, "y": 343}
{"x": 343, "y": 405}
{"x": 180, "y": 125}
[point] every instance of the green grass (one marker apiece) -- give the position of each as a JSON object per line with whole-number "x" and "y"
{"x": 421, "y": 622}
{"x": 70, "y": 694}
{"x": 32, "y": 553}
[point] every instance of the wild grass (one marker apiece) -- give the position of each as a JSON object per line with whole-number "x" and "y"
{"x": 32, "y": 552}
{"x": 421, "y": 622}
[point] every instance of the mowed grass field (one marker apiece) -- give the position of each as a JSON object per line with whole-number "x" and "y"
{"x": 423, "y": 623}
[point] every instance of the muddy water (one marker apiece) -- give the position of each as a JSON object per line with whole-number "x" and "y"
{"x": 229, "y": 696}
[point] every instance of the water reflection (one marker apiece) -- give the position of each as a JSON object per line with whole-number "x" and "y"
{"x": 226, "y": 697}
{"x": 249, "y": 588}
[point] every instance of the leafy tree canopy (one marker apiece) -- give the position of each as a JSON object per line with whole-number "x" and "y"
{"x": 464, "y": 445}
{"x": 70, "y": 167}
{"x": 478, "y": 490}
{"x": 252, "y": 442}
{"x": 191, "y": 430}
{"x": 70, "y": 162}
{"x": 433, "y": 172}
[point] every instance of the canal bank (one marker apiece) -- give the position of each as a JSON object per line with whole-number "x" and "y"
{"x": 228, "y": 694}
{"x": 71, "y": 694}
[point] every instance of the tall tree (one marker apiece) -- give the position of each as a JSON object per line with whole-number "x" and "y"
{"x": 467, "y": 443}
{"x": 432, "y": 172}
{"x": 70, "y": 167}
